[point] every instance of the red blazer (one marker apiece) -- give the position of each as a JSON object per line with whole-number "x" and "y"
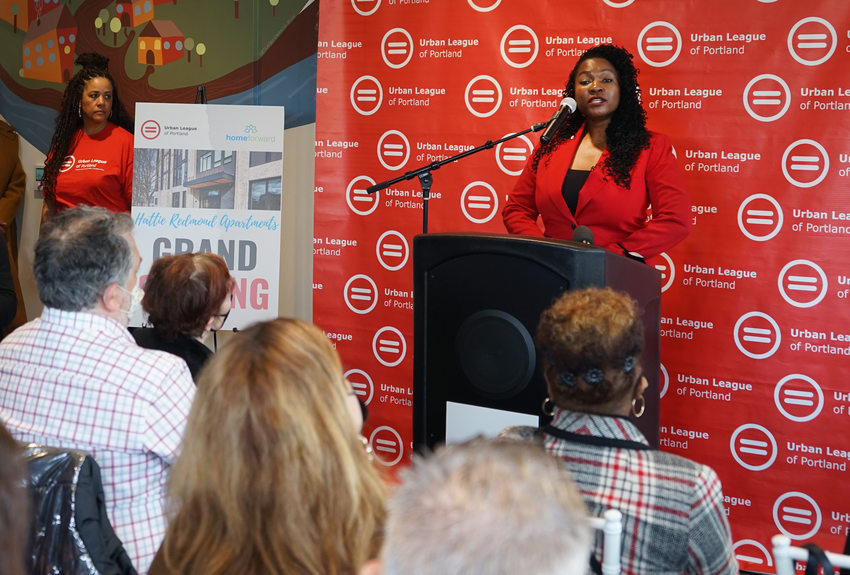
{"x": 617, "y": 216}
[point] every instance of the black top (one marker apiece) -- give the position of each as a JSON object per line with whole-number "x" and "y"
{"x": 193, "y": 352}
{"x": 573, "y": 182}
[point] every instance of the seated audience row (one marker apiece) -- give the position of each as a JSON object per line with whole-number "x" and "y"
{"x": 273, "y": 475}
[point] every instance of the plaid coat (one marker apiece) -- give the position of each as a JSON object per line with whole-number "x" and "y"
{"x": 673, "y": 516}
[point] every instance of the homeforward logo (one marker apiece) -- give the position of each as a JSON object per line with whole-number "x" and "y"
{"x": 250, "y": 138}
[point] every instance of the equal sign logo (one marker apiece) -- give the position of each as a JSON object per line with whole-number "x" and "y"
{"x": 361, "y": 294}
{"x": 812, "y": 41}
{"x": 389, "y": 346}
{"x": 797, "y": 515}
{"x": 69, "y": 162}
{"x": 753, "y": 447}
{"x": 659, "y": 44}
{"x": 805, "y": 163}
{"x": 362, "y": 384}
{"x": 760, "y": 217}
{"x": 668, "y": 271}
{"x": 767, "y": 97}
{"x": 798, "y": 397}
{"x": 483, "y": 5}
{"x": 483, "y": 96}
{"x": 392, "y": 250}
{"x": 151, "y": 129}
{"x": 358, "y": 199}
{"x": 802, "y": 283}
{"x": 365, "y": 7}
{"x": 753, "y": 552}
{"x": 393, "y": 150}
{"x": 479, "y": 202}
{"x": 513, "y": 155}
{"x": 366, "y": 95}
{"x": 757, "y": 335}
{"x": 519, "y": 46}
{"x": 397, "y": 48}
{"x": 387, "y": 445}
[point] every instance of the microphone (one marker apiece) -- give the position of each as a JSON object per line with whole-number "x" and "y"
{"x": 568, "y": 106}
{"x": 583, "y": 235}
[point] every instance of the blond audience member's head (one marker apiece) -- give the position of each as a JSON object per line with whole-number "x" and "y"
{"x": 273, "y": 477}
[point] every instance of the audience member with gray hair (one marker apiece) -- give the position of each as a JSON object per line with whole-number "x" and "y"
{"x": 75, "y": 378}
{"x": 490, "y": 506}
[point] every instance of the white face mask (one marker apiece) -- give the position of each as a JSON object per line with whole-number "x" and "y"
{"x": 136, "y": 296}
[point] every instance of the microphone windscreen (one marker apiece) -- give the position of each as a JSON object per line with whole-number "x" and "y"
{"x": 583, "y": 234}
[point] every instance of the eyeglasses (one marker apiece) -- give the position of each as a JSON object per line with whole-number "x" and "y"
{"x": 223, "y": 317}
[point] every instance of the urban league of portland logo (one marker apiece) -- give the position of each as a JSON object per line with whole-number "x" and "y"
{"x": 68, "y": 163}
{"x": 151, "y": 129}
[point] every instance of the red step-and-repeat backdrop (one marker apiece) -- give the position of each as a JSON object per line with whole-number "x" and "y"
{"x": 755, "y": 95}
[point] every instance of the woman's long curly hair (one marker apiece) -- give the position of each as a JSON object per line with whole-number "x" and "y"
{"x": 69, "y": 120}
{"x": 626, "y": 135}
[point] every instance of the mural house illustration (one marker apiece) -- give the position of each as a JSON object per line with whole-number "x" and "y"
{"x": 20, "y": 14}
{"x": 160, "y": 42}
{"x": 134, "y": 13}
{"x": 48, "y": 51}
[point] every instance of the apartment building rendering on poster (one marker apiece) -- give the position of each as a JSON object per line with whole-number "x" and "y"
{"x": 214, "y": 179}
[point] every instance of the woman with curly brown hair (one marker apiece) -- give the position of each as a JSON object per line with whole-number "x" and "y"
{"x": 590, "y": 342}
{"x": 187, "y": 296}
{"x": 273, "y": 478}
{"x": 90, "y": 161}
{"x": 603, "y": 169}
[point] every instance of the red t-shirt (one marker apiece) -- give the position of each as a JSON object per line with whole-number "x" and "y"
{"x": 98, "y": 171}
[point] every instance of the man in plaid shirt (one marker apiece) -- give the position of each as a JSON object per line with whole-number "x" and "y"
{"x": 75, "y": 378}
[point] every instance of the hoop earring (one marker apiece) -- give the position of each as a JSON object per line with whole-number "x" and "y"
{"x": 79, "y": 111}
{"x": 636, "y": 413}
{"x": 548, "y": 407}
{"x": 368, "y": 448}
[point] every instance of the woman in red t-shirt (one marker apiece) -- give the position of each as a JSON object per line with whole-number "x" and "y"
{"x": 90, "y": 161}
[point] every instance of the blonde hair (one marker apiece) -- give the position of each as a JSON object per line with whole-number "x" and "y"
{"x": 272, "y": 477}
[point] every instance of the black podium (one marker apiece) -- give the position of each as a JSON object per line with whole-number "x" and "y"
{"x": 477, "y": 300}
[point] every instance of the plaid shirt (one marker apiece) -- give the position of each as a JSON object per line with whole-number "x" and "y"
{"x": 673, "y": 517}
{"x": 78, "y": 380}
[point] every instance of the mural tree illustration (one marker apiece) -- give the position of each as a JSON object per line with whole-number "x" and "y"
{"x": 14, "y": 10}
{"x": 201, "y": 49}
{"x": 115, "y": 26}
{"x": 189, "y": 44}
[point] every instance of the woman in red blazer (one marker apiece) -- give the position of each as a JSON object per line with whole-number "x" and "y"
{"x": 603, "y": 169}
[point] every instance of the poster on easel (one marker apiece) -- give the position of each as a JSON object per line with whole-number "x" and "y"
{"x": 208, "y": 178}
